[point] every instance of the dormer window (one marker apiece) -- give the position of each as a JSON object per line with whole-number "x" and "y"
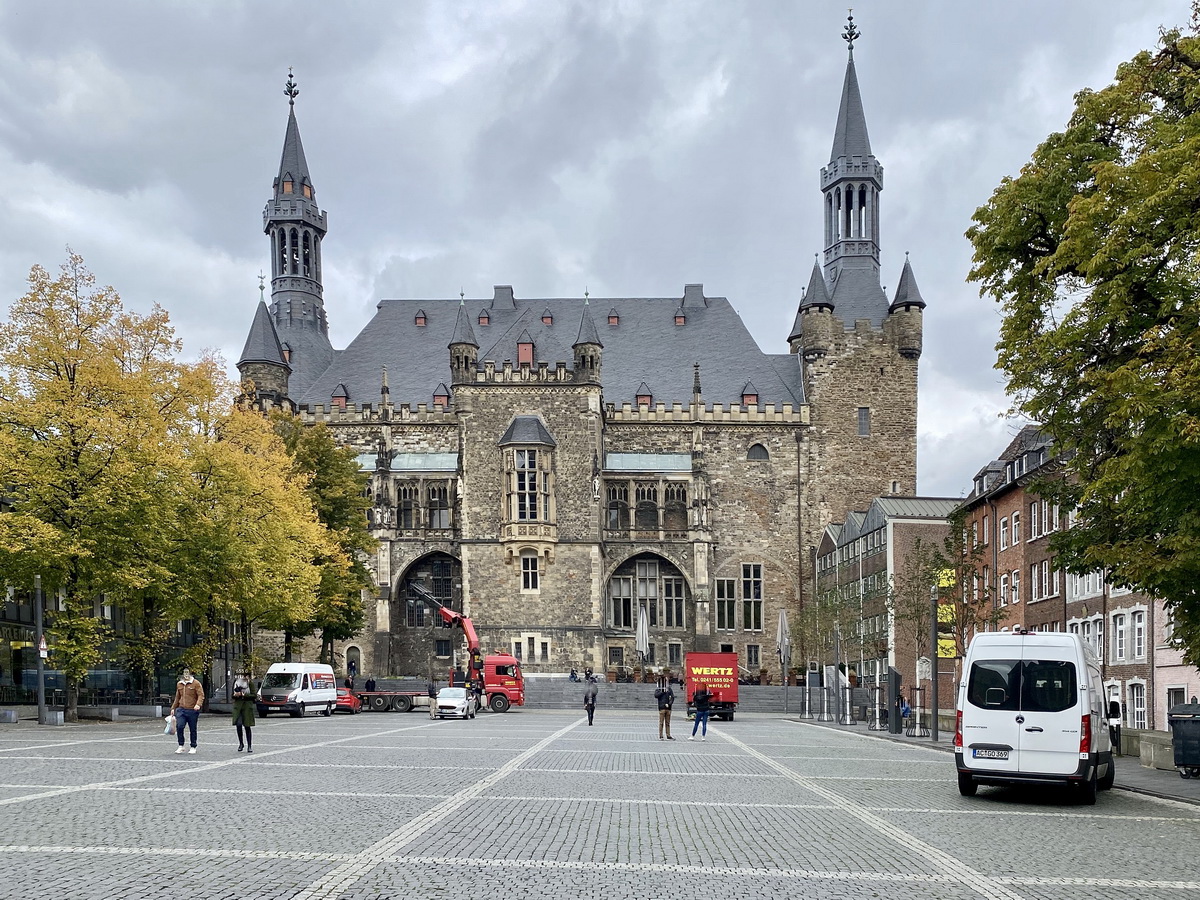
{"x": 339, "y": 398}
{"x": 441, "y": 396}
{"x": 644, "y": 396}
{"x": 419, "y": 319}
{"x": 525, "y": 353}
{"x": 613, "y": 318}
{"x": 287, "y": 186}
{"x": 749, "y": 395}
{"x": 287, "y": 352}
{"x": 307, "y": 191}
{"x": 680, "y": 317}
{"x": 547, "y": 317}
{"x": 484, "y": 318}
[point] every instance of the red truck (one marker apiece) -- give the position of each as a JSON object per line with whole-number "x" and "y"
{"x": 719, "y": 673}
{"x": 500, "y": 673}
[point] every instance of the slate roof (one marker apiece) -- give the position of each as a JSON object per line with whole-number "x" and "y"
{"x": 527, "y": 430}
{"x": 262, "y": 344}
{"x": 647, "y": 346}
{"x": 292, "y": 161}
{"x": 850, "y": 135}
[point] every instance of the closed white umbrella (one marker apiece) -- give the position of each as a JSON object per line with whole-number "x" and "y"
{"x": 643, "y": 634}
{"x": 783, "y": 640}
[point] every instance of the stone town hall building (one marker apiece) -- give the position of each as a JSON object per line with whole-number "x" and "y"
{"x": 552, "y": 466}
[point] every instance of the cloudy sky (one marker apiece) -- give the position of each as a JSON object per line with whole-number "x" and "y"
{"x": 625, "y": 146}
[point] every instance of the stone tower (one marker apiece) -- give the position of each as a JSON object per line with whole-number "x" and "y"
{"x": 263, "y": 362}
{"x": 859, "y": 352}
{"x": 296, "y": 226}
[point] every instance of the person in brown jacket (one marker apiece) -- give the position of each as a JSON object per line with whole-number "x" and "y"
{"x": 189, "y": 697}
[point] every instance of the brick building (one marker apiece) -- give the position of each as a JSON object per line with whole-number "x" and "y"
{"x": 868, "y": 567}
{"x": 558, "y": 467}
{"x": 1129, "y": 631}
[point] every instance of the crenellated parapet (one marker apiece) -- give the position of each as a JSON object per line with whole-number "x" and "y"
{"x": 368, "y": 413}
{"x": 718, "y": 413}
{"x": 905, "y": 328}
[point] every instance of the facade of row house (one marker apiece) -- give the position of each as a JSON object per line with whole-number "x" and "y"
{"x": 559, "y": 468}
{"x": 1129, "y": 631}
{"x": 866, "y": 571}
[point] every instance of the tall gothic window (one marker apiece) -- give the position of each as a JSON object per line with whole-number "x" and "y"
{"x": 439, "y": 506}
{"x": 406, "y": 506}
{"x": 647, "y": 588}
{"x": 646, "y": 513}
{"x": 675, "y": 515}
{"x": 526, "y": 491}
{"x": 752, "y": 598}
{"x": 618, "y": 507}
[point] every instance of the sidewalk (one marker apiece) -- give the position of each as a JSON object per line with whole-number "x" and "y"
{"x": 1131, "y": 774}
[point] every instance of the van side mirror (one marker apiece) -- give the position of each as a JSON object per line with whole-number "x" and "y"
{"x": 1114, "y": 709}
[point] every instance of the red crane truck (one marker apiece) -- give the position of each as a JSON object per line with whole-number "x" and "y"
{"x": 719, "y": 673}
{"x": 499, "y": 673}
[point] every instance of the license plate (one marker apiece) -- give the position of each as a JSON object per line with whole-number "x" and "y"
{"x": 989, "y": 754}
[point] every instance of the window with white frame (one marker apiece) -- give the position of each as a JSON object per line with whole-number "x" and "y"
{"x": 1118, "y": 636}
{"x": 529, "y": 571}
{"x": 1137, "y": 704}
{"x": 1004, "y": 533}
{"x": 752, "y": 597}
{"x": 620, "y": 602}
{"x": 1085, "y": 632}
{"x": 1016, "y": 587}
{"x": 1034, "y": 520}
{"x": 1004, "y": 590}
{"x": 1138, "y": 620}
{"x": 987, "y": 535}
{"x": 1016, "y": 528}
{"x": 726, "y": 593}
{"x": 1034, "y": 584}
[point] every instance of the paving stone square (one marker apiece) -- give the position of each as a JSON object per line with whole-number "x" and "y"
{"x": 536, "y": 803}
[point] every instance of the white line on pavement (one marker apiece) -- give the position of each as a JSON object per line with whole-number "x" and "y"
{"x": 955, "y": 870}
{"x": 338, "y": 880}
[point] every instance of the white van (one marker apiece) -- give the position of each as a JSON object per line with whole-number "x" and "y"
{"x": 297, "y": 688}
{"x": 1031, "y": 711}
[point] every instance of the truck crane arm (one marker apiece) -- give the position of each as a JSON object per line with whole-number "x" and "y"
{"x": 452, "y": 619}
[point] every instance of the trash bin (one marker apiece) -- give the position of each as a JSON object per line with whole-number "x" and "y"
{"x": 1184, "y": 719}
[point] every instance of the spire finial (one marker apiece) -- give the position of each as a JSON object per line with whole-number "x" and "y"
{"x": 696, "y": 378}
{"x": 585, "y": 295}
{"x": 851, "y": 34}
{"x": 261, "y": 286}
{"x": 290, "y": 89}
{"x": 462, "y": 297}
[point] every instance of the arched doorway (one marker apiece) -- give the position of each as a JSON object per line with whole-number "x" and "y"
{"x": 420, "y": 647}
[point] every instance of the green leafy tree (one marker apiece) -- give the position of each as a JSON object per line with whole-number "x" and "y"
{"x": 337, "y": 489}
{"x": 1092, "y": 252}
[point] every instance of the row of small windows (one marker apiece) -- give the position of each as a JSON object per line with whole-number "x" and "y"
{"x": 1127, "y": 635}
{"x": 297, "y": 252}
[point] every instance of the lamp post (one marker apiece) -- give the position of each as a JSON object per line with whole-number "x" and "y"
{"x": 41, "y": 638}
{"x": 933, "y": 661}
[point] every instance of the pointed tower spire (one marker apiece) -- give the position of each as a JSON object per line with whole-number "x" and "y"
{"x": 908, "y": 295}
{"x": 589, "y": 352}
{"x": 296, "y": 226}
{"x": 851, "y": 184}
{"x": 464, "y": 349}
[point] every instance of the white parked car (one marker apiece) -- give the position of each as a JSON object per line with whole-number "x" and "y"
{"x": 455, "y": 701}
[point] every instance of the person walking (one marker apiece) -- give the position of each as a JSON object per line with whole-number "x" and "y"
{"x": 370, "y": 685}
{"x": 589, "y": 700}
{"x": 700, "y": 700}
{"x": 243, "y": 711}
{"x": 666, "y": 699}
{"x": 189, "y": 697}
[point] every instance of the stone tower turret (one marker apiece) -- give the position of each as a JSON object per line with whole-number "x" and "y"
{"x": 296, "y": 226}
{"x": 589, "y": 351}
{"x": 263, "y": 362}
{"x": 859, "y": 352}
{"x": 464, "y": 349}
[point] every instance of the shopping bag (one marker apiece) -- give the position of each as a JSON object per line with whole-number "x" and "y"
{"x": 170, "y": 726}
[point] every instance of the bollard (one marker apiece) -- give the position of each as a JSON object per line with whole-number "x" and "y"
{"x": 8, "y": 717}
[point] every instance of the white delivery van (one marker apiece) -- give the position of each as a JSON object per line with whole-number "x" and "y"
{"x": 297, "y": 688}
{"x": 1030, "y": 710}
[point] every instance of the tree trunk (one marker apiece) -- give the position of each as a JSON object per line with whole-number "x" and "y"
{"x": 71, "y": 704}
{"x": 287, "y": 646}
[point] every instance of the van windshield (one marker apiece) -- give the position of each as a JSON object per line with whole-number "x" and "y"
{"x": 1030, "y": 686}
{"x": 281, "y": 680}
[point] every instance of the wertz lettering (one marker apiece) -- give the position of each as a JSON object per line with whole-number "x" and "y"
{"x": 712, "y": 670}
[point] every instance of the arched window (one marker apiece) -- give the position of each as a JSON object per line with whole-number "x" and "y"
{"x": 646, "y": 513}
{"x": 675, "y": 515}
{"x": 618, "y": 507}
{"x": 757, "y": 451}
{"x": 306, "y": 261}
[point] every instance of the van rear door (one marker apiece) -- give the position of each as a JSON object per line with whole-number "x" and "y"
{"x": 1051, "y": 712}
{"x": 990, "y": 733}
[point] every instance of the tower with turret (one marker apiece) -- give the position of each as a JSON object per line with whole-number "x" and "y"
{"x": 858, "y": 351}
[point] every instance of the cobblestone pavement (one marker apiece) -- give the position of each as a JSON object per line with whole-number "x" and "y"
{"x": 536, "y": 803}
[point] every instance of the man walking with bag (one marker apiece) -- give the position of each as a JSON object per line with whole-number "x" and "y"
{"x": 666, "y": 699}
{"x": 189, "y": 697}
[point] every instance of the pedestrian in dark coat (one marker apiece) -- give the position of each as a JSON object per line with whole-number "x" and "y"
{"x": 589, "y": 700}
{"x": 243, "y": 711}
{"x": 666, "y": 699}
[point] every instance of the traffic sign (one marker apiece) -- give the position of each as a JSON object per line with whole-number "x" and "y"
{"x": 43, "y": 651}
